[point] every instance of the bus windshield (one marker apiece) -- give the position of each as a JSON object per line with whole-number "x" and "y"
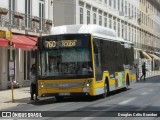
{"x": 67, "y": 62}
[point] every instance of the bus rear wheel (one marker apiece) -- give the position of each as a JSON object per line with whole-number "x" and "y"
{"x": 127, "y": 82}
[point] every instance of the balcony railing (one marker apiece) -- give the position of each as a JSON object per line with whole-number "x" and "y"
{"x": 144, "y": 47}
{"x": 20, "y": 21}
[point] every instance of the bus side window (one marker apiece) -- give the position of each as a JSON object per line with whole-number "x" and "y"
{"x": 95, "y": 49}
{"x": 96, "y": 53}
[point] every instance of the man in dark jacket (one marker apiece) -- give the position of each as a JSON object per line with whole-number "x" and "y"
{"x": 33, "y": 82}
{"x": 143, "y": 71}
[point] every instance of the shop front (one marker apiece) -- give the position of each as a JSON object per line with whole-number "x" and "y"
{"x": 22, "y": 59}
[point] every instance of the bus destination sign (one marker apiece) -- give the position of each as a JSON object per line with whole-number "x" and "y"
{"x": 62, "y": 43}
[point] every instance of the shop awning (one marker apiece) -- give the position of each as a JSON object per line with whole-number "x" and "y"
{"x": 23, "y": 42}
{"x": 157, "y": 53}
{"x": 32, "y": 38}
{"x": 147, "y": 56}
{"x": 154, "y": 56}
{"x": 3, "y": 42}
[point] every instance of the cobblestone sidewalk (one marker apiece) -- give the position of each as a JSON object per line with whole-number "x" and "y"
{"x": 21, "y": 96}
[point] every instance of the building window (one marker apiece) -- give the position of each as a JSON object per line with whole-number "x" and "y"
{"x": 142, "y": 18}
{"x": 129, "y": 34}
{"x": 105, "y": 1}
{"x": 11, "y": 11}
{"x": 132, "y": 10}
{"x": 126, "y": 7}
{"x": 132, "y": 34}
{"x": 122, "y": 5}
{"x": 81, "y": 15}
{"x": 135, "y": 35}
{"x": 110, "y": 23}
{"x": 122, "y": 31}
{"x": 114, "y": 4}
{"x": 129, "y": 10}
{"x": 28, "y": 13}
{"x": 110, "y": 2}
{"x": 27, "y": 63}
{"x": 118, "y": 5}
{"x": 135, "y": 13}
{"x": 126, "y": 32}
{"x": 41, "y": 13}
{"x": 100, "y": 20}
{"x": 118, "y": 29}
{"x": 105, "y": 21}
{"x": 115, "y": 25}
{"x": 94, "y": 18}
{"x": 88, "y": 17}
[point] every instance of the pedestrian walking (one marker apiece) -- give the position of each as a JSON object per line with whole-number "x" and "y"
{"x": 33, "y": 82}
{"x": 137, "y": 71}
{"x": 143, "y": 71}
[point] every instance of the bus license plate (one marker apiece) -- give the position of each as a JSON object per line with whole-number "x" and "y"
{"x": 64, "y": 94}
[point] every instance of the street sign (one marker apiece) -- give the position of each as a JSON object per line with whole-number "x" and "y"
{"x": 2, "y": 34}
{"x": 11, "y": 68}
{"x": 8, "y": 34}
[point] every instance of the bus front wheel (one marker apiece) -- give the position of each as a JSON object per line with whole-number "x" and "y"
{"x": 106, "y": 89}
{"x": 59, "y": 98}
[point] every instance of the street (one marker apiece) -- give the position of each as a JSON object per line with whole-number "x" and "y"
{"x": 140, "y": 97}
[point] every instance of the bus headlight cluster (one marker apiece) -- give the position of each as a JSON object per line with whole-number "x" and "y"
{"x": 41, "y": 84}
{"x": 88, "y": 83}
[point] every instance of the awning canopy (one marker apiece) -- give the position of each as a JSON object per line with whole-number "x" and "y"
{"x": 23, "y": 42}
{"x": 145, "y": 54}
{"x": 157, "y": 53}
{"x": 154, "y": 56}
{"x": 32, "y": 38}
{"x": 3, "y": 42}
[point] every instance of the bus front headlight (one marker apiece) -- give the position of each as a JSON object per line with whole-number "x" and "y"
{"x": 88, "y": 83}
{"x": 41, "y": 84}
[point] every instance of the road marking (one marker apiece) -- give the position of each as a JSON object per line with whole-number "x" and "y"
{"x": 150, "y": 90}
{"x": 87, "y": 118}
{"x": 144, "y": 93}
{"x": 127, "y": 101}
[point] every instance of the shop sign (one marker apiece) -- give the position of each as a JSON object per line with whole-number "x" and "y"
{"x": 11, "y": 68}
{"x": 2, "y": 34}
{"x": 8, "y": 34}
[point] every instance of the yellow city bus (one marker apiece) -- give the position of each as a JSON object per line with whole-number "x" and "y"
{"x": 83, "y": 60}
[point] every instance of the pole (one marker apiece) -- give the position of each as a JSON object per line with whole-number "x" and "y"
{"x": 11, "y": 59}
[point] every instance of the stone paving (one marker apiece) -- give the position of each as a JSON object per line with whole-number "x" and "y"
{"x": 21, "y": 96}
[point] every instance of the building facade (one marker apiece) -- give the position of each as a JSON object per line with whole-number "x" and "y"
{"x": 133, "y": 20}
{"x": 26, "y": 20}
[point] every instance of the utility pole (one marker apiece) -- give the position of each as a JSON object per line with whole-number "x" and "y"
{"x": 11, "y": 63}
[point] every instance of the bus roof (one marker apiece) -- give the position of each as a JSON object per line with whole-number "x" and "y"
{"x": 96, "y": 30}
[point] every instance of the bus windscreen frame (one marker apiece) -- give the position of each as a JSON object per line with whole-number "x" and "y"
{"x": 65, "y": 57}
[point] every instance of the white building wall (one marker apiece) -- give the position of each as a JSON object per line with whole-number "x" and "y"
{"x": 35, "y": 8}
{"x": 46, "y": 9}
{"x": 64, "y": 12}
{"x": 20, "y": 6}
{"x": 19, "y": 53}
{"x": 50, "y": 10}
{"x": 4, "y": 3}
{"x": 77, "y": 20}
{"x": 3, "y": 68}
